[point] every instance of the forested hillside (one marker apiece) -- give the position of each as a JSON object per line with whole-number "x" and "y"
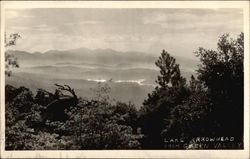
{"x": 178, "y": 114}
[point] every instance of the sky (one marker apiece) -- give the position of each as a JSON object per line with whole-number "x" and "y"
{"x": 179, "y": 31}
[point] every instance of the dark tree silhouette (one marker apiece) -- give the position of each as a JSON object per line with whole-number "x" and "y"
{"x": 56, "y": 109}
{"x": 214, "y": 107}
{"x": 169, "y": 70}
{"x": 222, "y": 73}
{"x": 170, "y": 92}
{"x": 44, "y": 97}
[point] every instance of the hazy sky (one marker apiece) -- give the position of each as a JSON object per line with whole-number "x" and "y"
{"x": 179, "y": 31}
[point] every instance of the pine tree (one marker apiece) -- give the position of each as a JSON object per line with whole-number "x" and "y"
{"x": 157, "y": 108}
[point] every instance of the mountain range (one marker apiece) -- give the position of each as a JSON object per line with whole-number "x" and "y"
{"x": 133, "y": 73}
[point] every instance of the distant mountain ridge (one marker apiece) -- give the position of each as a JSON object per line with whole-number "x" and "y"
{"x": 107, "y": 57}
{"x": 99, "y": 56}
{"x": 133, "y": 73}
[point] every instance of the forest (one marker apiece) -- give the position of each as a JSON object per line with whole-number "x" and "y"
{"x": 203, "y": 112}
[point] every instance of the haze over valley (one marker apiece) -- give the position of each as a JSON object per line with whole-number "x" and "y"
{"x": 131, "y": 75}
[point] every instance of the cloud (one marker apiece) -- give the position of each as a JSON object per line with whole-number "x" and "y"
{"x": 196, "y": 20}
{"x": 155, "y": 19}
{"x": 162, "y": 18}
{"x": 91, "y": 22}
{"x": 147, "y": 30}
{"x": 13, "y": 14}
{"x": 9, "y": 14}
{"x": 43, "y": 27}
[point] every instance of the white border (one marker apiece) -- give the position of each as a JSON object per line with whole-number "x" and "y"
{"x": 132, "y": 153}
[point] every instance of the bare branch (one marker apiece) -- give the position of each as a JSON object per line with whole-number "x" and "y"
{"x": 66, "y": 88}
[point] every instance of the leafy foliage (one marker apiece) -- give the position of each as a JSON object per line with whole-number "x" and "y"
{"x": 10, "y": 59}
{"x": 91, "y": 124}
{"x": 210, "y": 105}
{"x": 222, "y": 73}
{"x": 99, "y": 127}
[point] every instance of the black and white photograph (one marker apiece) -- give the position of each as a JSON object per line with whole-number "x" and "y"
{"x": 128, "y": 78}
